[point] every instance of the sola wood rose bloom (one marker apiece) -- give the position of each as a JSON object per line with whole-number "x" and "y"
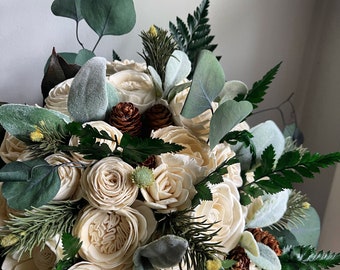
{"x": 99, "y": 125}
{"x": 57, "y": 97}
{"x": 11, "y": 148}
{"x": 194, "y": 148}
{"x": 135, "y": 87}
{"x": 41, "y": 259}
{"x": 107, "y": 184}
{"x": 69, "y": 174}
{"x": 110, "y": 238}
{"x": 199, "y": 125}
{"x": 85, "y": 266}
{"x": 116, "y": 66}
{"x": 226, "y": 210}
{"x": 173, "y": 188}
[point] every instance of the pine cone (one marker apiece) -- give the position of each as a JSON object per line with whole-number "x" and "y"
{"x": 266, "y": 238}
{"x": 157, "y": 116}
{"x": 126, "y": 117}
{"x": 150, "y": 162}
{"x": 239, "y": 255}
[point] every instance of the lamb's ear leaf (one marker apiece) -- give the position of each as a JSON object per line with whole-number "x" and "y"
{"x": 88, "y": 99}
{"x": 208, "y": 80}
{"x": 109, "y": 17}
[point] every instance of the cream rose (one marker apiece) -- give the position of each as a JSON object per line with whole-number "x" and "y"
{"x": 199, "y": 125}
{"x": 116, "y": 66}
{"x": 107, "y": 184}
{"x": 221, "y": 153}
{"x": 226, "y": 210}
{"x": 41, "y": 259}
{"x": 100, "y": 126}
{"x": 11, "y": 148}
{"x": 110, "y": 238}
{"x": 173, "y": 188}
{"x": 69, "y": 174}
{"x": 135, "y": 87}
{"x": 58, "y": 96}
{"x": 193, "y": 147}
{"x": 85, "y": 266}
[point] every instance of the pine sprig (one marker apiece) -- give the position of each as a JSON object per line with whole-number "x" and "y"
{"x": 199, "y": 235}
{"x": 292, "y": 167}
{"x": 307, "y": 258}
{"x": 256, "y": 94}
{"x": 34, "y": 227}
{"x": 195, "y": 36}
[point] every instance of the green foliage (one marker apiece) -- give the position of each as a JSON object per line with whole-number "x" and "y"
{"x": 228, "y": 115}
{"x": 34, "y": 227}
{"x": 307, "y": 258}
{"x": 290, "y": 168}
{"x": 256, "y": 94}
{"x": 71, "y": 246}
{"x": 67, "y": 8}
{"x": 27, "y": 184}
{"x": 215, "y": 177}
{"x": 133, "y": 149}
{"x": 207, "y": 82}
{"x": 195, "y": 36}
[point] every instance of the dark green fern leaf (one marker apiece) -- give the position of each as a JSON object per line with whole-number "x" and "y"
{"x": 307, "y": 258}
{"x": 258, "y": 91}
{"x": 195, "y": 35}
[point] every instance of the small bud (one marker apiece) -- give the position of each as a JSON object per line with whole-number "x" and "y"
{"x": 305, "y": 205}
{"x": 36, "y": 135}
{"x": 153, "y": 31}
{"x": 214, "y": 264}
{"x": 142, "y": 177}
{"x": 9, "y": 240}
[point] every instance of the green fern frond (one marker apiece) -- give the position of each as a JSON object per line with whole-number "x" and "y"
{"x": 307, "y": 258}
{"x": 195, "y": 36}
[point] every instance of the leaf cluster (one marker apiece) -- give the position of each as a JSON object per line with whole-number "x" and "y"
{"x": 215, "y": 177}
{"x": 292, "y": 167}
{"x": 71, "y": 246}
{"x": 307, "y": 258}
{"x": 195, "y": 36}
{"x": 256, "y": 94}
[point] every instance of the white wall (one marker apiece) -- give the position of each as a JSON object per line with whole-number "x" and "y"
{"x": 252, "y": 37}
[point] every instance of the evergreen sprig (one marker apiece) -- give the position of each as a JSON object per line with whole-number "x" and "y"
{"x": 307, "y": 258}
{"x": 195, "y": 36}
{"x": 199, "y": 235}
{"x": 215, "y": 177}
{"x": 256, "y": 94}
{"x": 292, "y": 167}
{"x": 34, "y": 227}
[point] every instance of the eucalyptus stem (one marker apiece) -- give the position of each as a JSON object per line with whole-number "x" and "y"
{"x": 95, "y": 46}
{"x": 77, "y": 35}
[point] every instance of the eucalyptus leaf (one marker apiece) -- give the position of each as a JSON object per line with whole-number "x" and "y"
{"x": 67, "y": 8}
{"x": 83, "y": 56}
{"x": 177, "y": 69}
{"x": 20, "y": 120}
{"x": 88, "y": 99}
{"x": 165, "y": 252}
{"x": 267, "y": 260}
{"x": 227, "y": 115}
{"x": 208, "y": 80}
{"x": 232, "y": 89}
{"x": 109, "y": 17}
{"x": 38, "y": 185}
{"x": 274, "y": 207}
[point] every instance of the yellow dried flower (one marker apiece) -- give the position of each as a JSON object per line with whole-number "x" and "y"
{"x": 153, "y": 31}
{"x": 9, "y": 240}
{"x": 142, "y": 177}
{"x": 305, "y": 205}
{"x": 214, "y": 265}
{"x": 36, "y": 135}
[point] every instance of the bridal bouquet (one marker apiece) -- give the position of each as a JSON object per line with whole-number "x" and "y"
{"x": 152, "y": 165}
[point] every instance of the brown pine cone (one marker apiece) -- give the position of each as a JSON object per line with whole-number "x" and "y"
{"x": 266, "y": 238}
{"x": 239, "y": 255}
{"x": 126, "y": 117}
{"x": 157, "y": 116}
{"x": 150, "y": 162}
